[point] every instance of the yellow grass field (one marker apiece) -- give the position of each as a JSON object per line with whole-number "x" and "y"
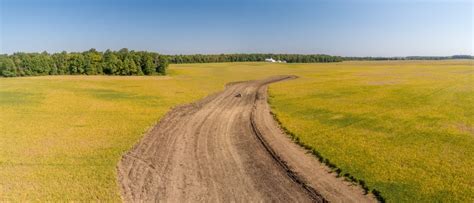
{"x": 404, "y": 127}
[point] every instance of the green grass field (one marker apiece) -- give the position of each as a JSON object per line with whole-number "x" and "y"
{"x": 406, "y": 128}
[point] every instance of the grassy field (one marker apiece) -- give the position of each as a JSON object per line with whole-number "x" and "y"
{"x": 406, "y": 128}
{"x": 62, "y": 136}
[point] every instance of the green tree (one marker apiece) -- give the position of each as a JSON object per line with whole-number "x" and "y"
{"x": 61, "y": 62}
{"x": 7, "y": 67}
{"x": 92, "y": 62}
{"x": 76, "y": 64}
{"x": 148, "y": 67}
{"x": 161, "y": 64}
{"x": 123, "y": 68}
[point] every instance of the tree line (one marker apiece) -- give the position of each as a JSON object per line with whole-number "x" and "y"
{"x": 91, "y": 62}
{"x": 125, "y": 62}
{"x": 369, "y": 58}
{"x": 216, "y": 58}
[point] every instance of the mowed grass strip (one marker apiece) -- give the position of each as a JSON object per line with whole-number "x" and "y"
{"x": 403, "y": 127}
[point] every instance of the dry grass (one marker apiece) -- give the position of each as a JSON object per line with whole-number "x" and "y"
{"x": 61, "y": 136}
{"x": 409, "y": 139}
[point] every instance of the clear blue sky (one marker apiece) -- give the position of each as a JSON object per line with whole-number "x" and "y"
{"x": 347, "y": 28}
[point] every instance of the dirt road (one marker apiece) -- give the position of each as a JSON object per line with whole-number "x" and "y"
{"x": 227, "y": 147}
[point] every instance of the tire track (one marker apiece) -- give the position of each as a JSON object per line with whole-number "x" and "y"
{"x": 221, "y": 149}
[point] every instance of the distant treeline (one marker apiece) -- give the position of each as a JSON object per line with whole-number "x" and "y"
{"x": 293, "y": 58}
{"x": 92, "y": 62}
{"x": 216, "y": 58}
{"x": 125, "y": 62}
{"x": 407, "y": 58}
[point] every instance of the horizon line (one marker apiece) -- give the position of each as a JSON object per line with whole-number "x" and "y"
{"x": 228, "y": 53}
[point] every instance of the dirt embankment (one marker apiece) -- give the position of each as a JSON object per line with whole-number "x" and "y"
{"x": 227, "y": 147}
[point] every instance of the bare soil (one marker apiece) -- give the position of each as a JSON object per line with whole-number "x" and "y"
{"x": 227, "y": 147}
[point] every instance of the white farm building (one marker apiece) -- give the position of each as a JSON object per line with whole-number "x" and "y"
{"x": 271, "y": 60}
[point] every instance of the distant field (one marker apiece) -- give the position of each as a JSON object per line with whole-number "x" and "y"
{"x": 406, "y": 128}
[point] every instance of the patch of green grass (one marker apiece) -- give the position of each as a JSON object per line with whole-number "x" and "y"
{"x": 17, "y": 98}
{"x": 404, "y": 128}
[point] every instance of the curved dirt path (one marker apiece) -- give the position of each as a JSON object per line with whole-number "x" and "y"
{"x": 227, "y": 147}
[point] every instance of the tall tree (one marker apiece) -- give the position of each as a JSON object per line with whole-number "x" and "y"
{"x": 61, "y": 62}
{"x": 7, "y": 67}
{"x": 161, "y": 63}
{"x": 148, "y": 67}
{"x": 76, "y": 64}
